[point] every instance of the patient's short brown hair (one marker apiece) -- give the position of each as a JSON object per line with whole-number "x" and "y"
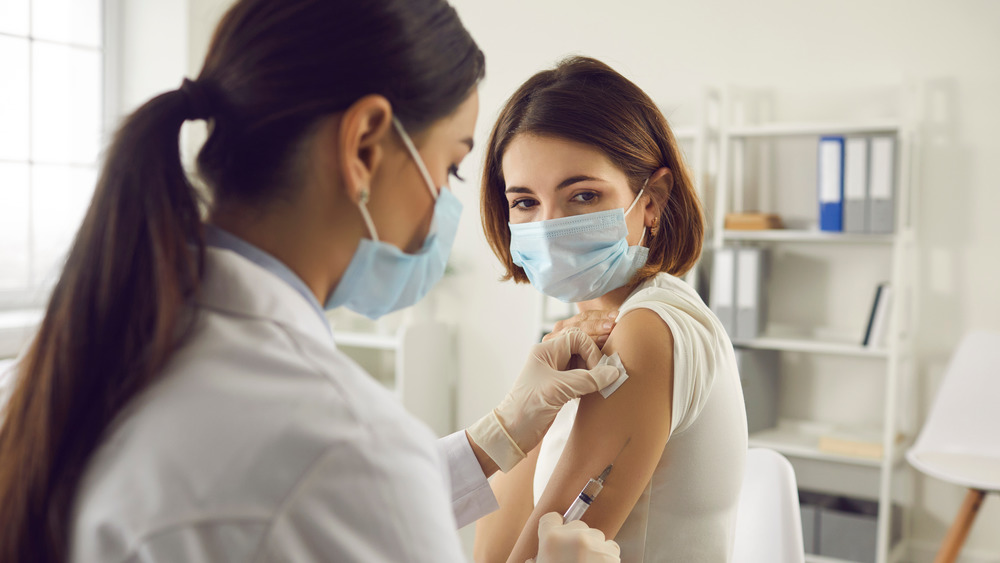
{"x": 586, "y": 101}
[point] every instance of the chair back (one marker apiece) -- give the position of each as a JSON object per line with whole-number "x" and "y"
{"x": 965, "y": 416}
{"x": 768, "y": 524}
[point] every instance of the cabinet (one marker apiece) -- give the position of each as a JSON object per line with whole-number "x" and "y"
{"x": 807, "y": 375}
{"x": 414, "y": 358}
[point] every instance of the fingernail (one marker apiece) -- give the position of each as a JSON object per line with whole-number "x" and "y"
{"x": 607, "y": 326}
{"x": 613, "y": 315}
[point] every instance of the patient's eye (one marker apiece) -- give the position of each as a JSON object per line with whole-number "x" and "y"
{"x": 523, "y": 203}
{"x": 585, "y": 197}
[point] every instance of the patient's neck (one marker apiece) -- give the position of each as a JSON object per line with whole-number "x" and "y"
{"x": 610, "y": 301}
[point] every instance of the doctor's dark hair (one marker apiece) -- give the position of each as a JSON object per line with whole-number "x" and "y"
{"x": 121, "y": 306}
{"x": 586, "y": 101}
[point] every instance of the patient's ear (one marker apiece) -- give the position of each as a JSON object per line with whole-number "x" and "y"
{"x": 659, "y": 186}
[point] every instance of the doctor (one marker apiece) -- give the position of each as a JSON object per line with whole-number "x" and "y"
{"x": 184, "y": 399}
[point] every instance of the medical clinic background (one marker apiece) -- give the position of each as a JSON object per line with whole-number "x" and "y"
{"x": 932, "y": 65}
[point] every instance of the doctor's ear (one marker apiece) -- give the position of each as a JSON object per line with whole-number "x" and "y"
{"x": 358, "y": 142}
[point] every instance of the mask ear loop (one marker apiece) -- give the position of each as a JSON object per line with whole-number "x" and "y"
{"x": 634, "y": 202}
{"x": 416, "y": 157}
{"x": 362, "y": 205}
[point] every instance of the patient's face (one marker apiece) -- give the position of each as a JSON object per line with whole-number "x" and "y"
{"x": 549, "y": 177}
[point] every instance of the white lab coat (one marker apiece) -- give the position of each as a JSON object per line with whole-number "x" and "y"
{"x": 263, "y": 442}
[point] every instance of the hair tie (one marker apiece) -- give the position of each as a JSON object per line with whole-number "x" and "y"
{"x": 198, "y": 100}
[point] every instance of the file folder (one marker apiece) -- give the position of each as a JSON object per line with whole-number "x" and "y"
{"x": 723, "y": 292}
{"x": 750, "y": 309}
{"x": 856, "y": 185}
{"x": 878, "y": 321}
{"x": 882, "y": 185}
{"x": 831, "y": 183}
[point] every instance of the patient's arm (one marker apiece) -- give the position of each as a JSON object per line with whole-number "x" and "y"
{"x": 497, "y": 532}
{"x": 639, "y": 410}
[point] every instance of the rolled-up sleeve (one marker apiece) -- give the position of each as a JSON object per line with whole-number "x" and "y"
{"x": 471, "y": 495}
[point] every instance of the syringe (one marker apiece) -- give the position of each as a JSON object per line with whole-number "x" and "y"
{"x": 586, "y": 496}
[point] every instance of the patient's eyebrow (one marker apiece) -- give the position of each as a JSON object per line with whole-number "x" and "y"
{"x": 565, "y": 183}
{"x": 518, "y": 190}
{"x": 574, "y": 179}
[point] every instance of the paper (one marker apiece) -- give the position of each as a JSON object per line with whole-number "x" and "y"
{"x": 613, "y": 360}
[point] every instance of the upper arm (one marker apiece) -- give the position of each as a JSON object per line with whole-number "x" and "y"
{"x": 638, "y": 414}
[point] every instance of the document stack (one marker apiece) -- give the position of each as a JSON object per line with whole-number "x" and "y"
{"x": 738, "y": 295}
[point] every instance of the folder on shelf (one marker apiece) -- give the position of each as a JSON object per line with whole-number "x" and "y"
{"x": 856, "y": 185}
{"x": 831, "y": 184}
{"x": 878, "y": 319}
{"x": 750, "y": 309}
{"x": 758, "y": 371}
{"x": 882, "y": 185}
{"x": 723, "y": 293}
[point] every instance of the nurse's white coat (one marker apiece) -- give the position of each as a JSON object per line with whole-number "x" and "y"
{"x": 262, "y": 442}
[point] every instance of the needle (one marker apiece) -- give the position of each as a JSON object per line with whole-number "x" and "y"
{"x": 590, "y": 492}
{"x": 604, "y": 474}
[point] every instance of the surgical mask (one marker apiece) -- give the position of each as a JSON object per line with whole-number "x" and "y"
{"x": 381, "y": 278}
{"x": 579, "y": 257}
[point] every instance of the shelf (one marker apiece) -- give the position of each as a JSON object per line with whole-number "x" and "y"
{"x": 812, "y": 346}
{"x": 813, "y": 129}
{"x": 366, "y": 340}
{"x": 813, "y": 558}
{"x": 807, "y": 236}
{"x": 896, "y": 555}
{"x": 802, "y": 440}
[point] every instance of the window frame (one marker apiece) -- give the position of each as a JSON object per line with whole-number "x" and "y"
{"x": 36, "y": 296}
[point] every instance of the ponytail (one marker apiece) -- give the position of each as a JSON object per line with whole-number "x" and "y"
{"x": 112, "y": 321}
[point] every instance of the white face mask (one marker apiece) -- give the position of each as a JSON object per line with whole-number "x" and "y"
{"x": 382, "y": 278}
{"x": 580, "y": 257}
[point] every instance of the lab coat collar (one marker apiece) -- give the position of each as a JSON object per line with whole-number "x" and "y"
{"x": 236, "y": 285}
{"x": 221, "y": 238}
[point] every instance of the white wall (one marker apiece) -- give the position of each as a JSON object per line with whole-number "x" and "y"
{"x": 672, "y": 50}
{"x": 152, "y": 50}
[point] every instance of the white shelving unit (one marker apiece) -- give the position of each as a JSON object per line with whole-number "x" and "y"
{"x": 877, "y": 479}
{"x": 416, "y": 360}
{"x": 699, "y": 142}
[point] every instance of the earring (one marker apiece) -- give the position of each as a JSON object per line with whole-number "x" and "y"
{"x": 364, "y": 196}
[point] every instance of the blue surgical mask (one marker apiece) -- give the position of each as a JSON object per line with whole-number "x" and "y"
{"x": 580, "y": 257}
{"x": 381, "y": 278}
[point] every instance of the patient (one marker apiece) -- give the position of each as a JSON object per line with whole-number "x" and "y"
{"x": 586, "y": 196}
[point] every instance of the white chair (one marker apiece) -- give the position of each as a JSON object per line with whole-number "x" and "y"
{"x": 768, "y": 524}
{"x": 960, "y": 441}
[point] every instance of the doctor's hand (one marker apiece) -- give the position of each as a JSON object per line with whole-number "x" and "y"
{"x": 544, "y": 386}
{"x": 597, "y": 324}
{"x": 572, "y": 543}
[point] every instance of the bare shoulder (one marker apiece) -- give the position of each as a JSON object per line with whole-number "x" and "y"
{"x": 643, "y": 341}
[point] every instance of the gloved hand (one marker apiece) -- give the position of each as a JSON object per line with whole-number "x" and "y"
{"x": 518, "y": 423}
{"x": 572, "y": 543}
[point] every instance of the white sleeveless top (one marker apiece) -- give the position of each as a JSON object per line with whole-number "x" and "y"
{"x": 688, "y": 511}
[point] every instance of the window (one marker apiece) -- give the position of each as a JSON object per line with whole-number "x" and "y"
{"x": 51, "y": 116}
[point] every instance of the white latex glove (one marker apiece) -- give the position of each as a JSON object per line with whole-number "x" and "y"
{"x": 519, "y": 422}
{"x": 574, "y": 542}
